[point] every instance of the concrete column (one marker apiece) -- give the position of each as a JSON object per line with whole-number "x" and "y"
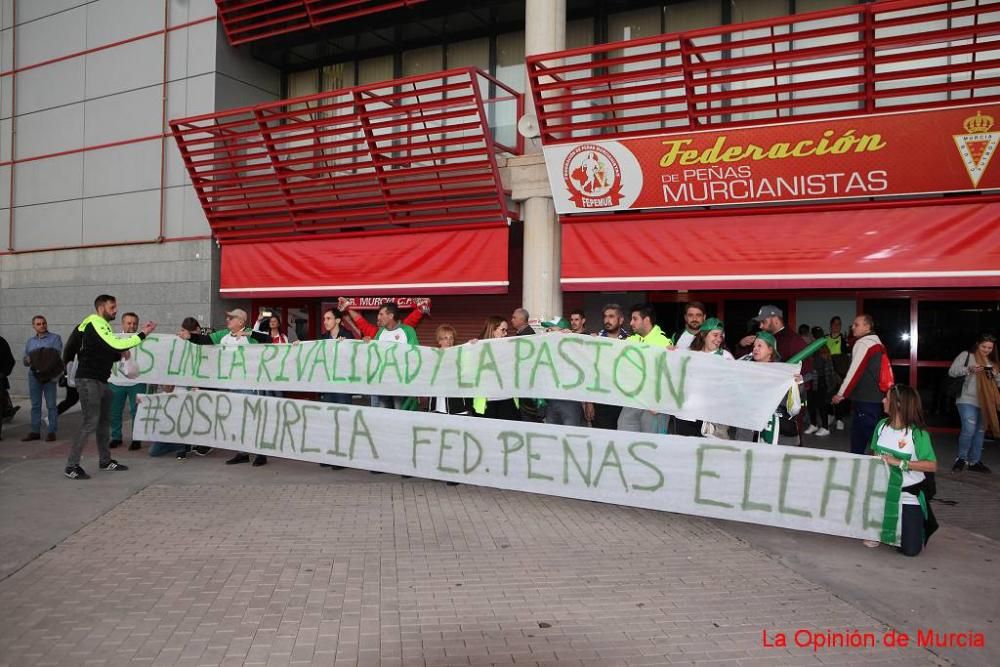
{"x": 545, "y": 31}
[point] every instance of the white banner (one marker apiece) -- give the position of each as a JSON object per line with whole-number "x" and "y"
{"x": 691, "y": 385}
{"x": 802, "y": 489}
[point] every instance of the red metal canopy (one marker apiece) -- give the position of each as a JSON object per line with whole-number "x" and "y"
{"x": 853, "y": 246}
{"x": 250, "y": 20}
{"x": 431, "y": 261}
{"x": 398, "y": 154}
{"x": 878, "y": 56}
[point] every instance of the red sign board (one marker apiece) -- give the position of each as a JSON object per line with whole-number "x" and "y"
{"x": 881, "y": 155}
{"x": 376, "y": 302}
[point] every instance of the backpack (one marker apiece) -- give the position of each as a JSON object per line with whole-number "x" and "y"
{"x": 885, "y": 378}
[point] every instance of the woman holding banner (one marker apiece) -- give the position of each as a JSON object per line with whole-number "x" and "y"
{"x": 709, "y": 339}
{"x": 905, "y": 446}
{"x": 495, "y": 327}
{"x": 781, "y": 429}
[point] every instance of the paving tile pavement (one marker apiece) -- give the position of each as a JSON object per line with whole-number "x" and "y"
{"x": 381, "y": 571}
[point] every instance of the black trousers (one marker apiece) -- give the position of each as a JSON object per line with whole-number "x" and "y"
{"x": 606, "y": 416}
{"x": 911, "y": 542}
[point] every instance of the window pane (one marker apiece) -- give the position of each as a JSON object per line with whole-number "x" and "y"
{"x": 892, "y": 324}
{"x": 423, "y": 61}
{"x": 939, "y": 410}
{"x": 739, "y": 316}
{"x": 693, "y": 15}
{"x": 945, "y": 328}
{"x": 374, "y": 70}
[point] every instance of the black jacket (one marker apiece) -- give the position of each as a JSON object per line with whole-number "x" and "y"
{"x": 101, "y": 349}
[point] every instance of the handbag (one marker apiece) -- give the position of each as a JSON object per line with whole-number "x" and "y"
{"x": 953, "y": 387}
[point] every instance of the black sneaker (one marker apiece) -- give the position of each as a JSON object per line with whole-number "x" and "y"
{"x": 239, "y": 458}
{"x": 182, "y": 456}
{"x": 259, "y": 460}
{"x": 202, "y": 450}
{"x": 960, "y": 465}
{"x": 980, "y": 467}
{"x": 113, "y": 466}
{"x": 75, "y": 472}
{"x": 134, "y": 445}
{"x": 114, "y": 444}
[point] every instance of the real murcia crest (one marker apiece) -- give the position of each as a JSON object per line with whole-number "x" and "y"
{"x": 977, "y": 145}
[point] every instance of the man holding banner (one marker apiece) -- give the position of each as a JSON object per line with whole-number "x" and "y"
{"x": 645, "y": 332}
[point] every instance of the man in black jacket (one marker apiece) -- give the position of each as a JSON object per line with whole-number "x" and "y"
{"x": 7, "y": 409}
{"x": 99, "y": 351}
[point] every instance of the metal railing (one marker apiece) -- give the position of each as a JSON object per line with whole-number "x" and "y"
{"x": 250, "y": 20}
{"x": 417, "y": 151}
{"x": 883, "y": 56}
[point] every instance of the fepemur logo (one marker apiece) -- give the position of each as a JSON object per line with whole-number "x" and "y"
{"x": 593, "y": 177}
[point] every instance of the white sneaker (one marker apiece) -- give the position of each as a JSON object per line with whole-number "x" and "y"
{"x": 871, "y": 544}
{"x": 822, "y": 432}
{"x": 840, "y": 424}
{"x": 812, "y": 429}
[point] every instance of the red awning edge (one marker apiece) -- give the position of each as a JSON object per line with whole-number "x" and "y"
{"x": 465, "y": 261}
{"x": 904, "y": 247}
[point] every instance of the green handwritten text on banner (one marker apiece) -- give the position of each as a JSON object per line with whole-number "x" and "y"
{"x": 812, "y": 490}
{"x": 554, "y": 366}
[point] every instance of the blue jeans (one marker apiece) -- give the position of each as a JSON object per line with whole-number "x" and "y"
{"x": 970, "y": 440}
{"x": 865, "y": 418}
{"x": 37, "y": 390}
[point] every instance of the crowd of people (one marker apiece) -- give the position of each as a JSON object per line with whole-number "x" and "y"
{"x": 844, "y": 370}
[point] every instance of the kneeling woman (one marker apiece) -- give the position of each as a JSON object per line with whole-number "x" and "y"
{"x": 904, "y": 444}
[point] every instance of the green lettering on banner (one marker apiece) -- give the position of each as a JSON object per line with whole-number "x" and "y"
{"x": 201, "y": 356}
{"x": 262, "y": 427}
{"x": 874, "y": 465}
{"x": 786, "y": 467}
{"x": 507, "y": 449}
{"x": 633, "y": 355}
{"x": 830, "y": 486}
{"x": 202, "y": 412}
{"x": 568, "y": 455}
{"x": 412, "y": 370}
{"x": 239, "y": 360}
{"x": 437, "y": 363}
{"x": 459, "y": 352}
{"x": 145, "y": 359}
{"x": 569, "y": 361}
{"x": 468, "y": 438}
{"x": 663, "y": 372}
{"x": 598, "y": 345}
{"x": 700, "y": 472}
{"x": 445, "y": 447}
{"x": 331, "y": 365}
{"x": 219, "y": 358}
{"x": 309, "y": 352}
{"x": 305, "y": 449}
{"x": 353, "y": 376}
{"x": 417, "y": 439}
{"x": 171, "y": 370}
{"x": 166, "y": 411}
{"x": 221, "y": 415}
{"x": 389, "y": 360}
{"x": 611, "y": 460}
{"x": 269, "y": 353}
{"x": 749, "y": 505}
{"x": 520, "y": 343}
{"x": 281, "y": 376}
{"x": 287, "y": 422}
{"x": 487, "y": 362}
{"x": 532, "y": 456}
{"x": 659, "y": 474}
{"x": 337, "y": 431}
{"x": 360, "y": 429}
{"x": 185, "y": 416}
{"x": 251, "y": 409}
{"x": 544, "y": 358}
{"x": 372, "y": 353}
